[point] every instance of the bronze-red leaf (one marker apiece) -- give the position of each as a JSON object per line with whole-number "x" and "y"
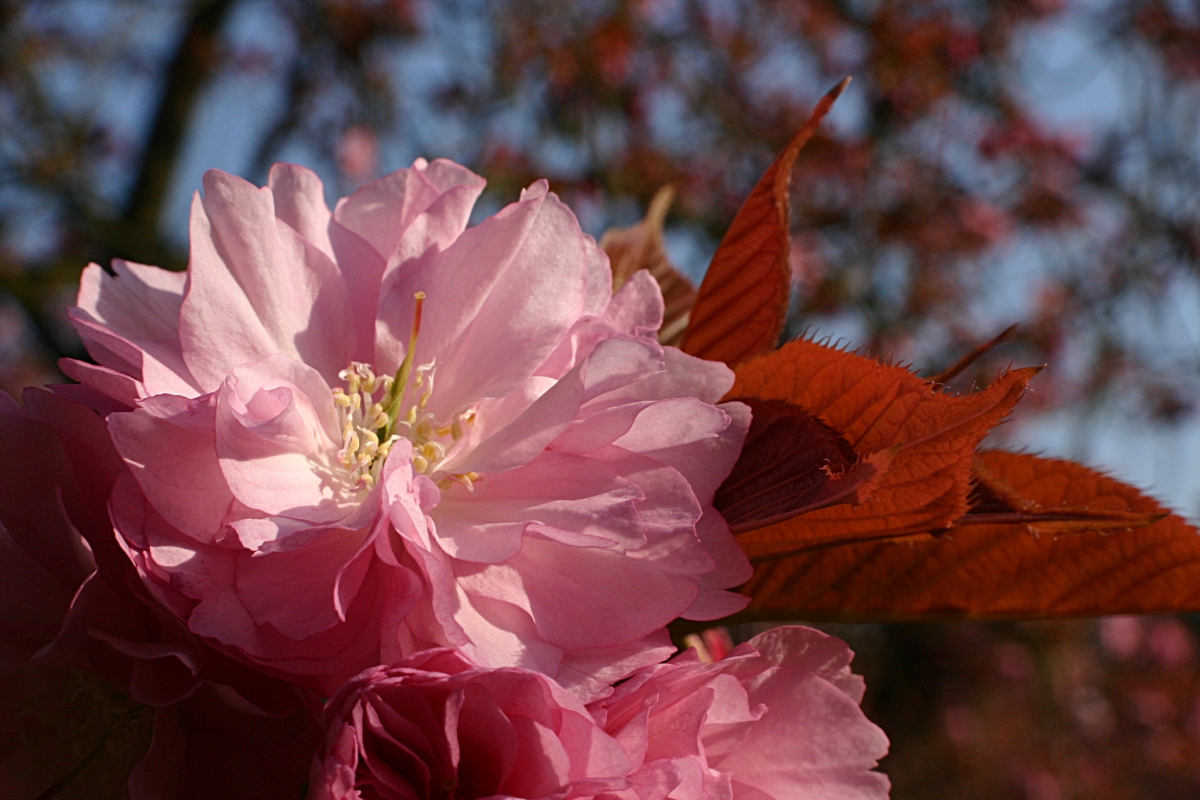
{"x": 791, "y": 463}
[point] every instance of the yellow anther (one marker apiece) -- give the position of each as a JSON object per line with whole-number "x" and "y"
{"x": 370, "y": 420}
{"x": 368, "y": 378}
{"x": 466, "y": 479}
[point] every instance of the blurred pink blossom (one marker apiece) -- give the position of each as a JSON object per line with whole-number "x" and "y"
{"x": 358, "y": 153}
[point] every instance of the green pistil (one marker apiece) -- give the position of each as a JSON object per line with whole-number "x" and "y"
{"x": 400, "y": 384}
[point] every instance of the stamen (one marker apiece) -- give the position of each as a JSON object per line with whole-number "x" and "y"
{"x": 466, "y": 479}
{"x": 373, "y": 418}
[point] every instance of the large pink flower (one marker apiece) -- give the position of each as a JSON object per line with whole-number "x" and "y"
{"x": 352, "y": 436}
{"x": 432, "y": 727}
{"x": 776, "y": 719}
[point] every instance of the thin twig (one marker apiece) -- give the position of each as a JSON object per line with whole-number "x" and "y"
{"x": 948, "y": 374}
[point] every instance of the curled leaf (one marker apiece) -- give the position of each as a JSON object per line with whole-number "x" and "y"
{"x": 743, "y": 300}
{"x": 930, "y": 436}
{"x": 641, "y": 246}
{"x": 791, "y": 464}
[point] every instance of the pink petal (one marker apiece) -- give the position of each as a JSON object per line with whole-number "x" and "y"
{"x": 812, "y": 742}
{"x": 109, "y": 349}
{"x": 684, "y": 376}
{"x": 86, "y": 396}
{"x": 579, "y": 597}
{"x": 299, "y": 592}
{"x": 674, "y": 730}
{"x": 330, "y": 657}
{"x": 381, "y": 211}
{"x": 499, "y": 299}
{"x": 590, "y": 432}
{"x": 637, "y": 308}
{"x": 172, "y": 453}
{"x": 434, "y": 200}
{"x": 699, "y": 440}
{"x": 599, "y": 280}
{"x": 733, "y": 568}
{"x": 612, "y": 364}
{"x": 362, "y": 270}
{"x": 543, "y": 764}
{"x": 274, "y": 424}
{"x": 668, "y": 513}
{"x": 141, "y": 304}
{"x": 33, "y": 599}
{"x": 503, "y": 635}
{"x": 488, "y": 742}
{"x": 116, "y": 385}
{"x": 589, "y": 673}
{"x": 594, "y": 754}
{"x": 813, "y": 739}
{"x": 299, "y": 200}
{"x": 256, "y": 288}
{"x": 554, "y": 492}
{"x": 804, "y": 650}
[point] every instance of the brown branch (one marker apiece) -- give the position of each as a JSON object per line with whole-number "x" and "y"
{"x": 193, "y": 65}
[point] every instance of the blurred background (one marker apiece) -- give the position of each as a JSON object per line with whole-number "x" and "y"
{"x": 1015, "y": 161}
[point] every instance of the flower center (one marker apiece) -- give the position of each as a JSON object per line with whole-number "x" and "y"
{"x": 362, "y": 419}
{"x": 373, "y": 418}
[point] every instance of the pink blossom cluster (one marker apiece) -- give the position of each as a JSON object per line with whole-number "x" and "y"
{"x": 441, "y": 475}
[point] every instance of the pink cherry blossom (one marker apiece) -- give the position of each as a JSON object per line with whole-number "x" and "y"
{"x": 778, "y": 718}
{"x": 355, "y": 435}
{"x": 433, "y": 727}
{"x": 70, "y": 598}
